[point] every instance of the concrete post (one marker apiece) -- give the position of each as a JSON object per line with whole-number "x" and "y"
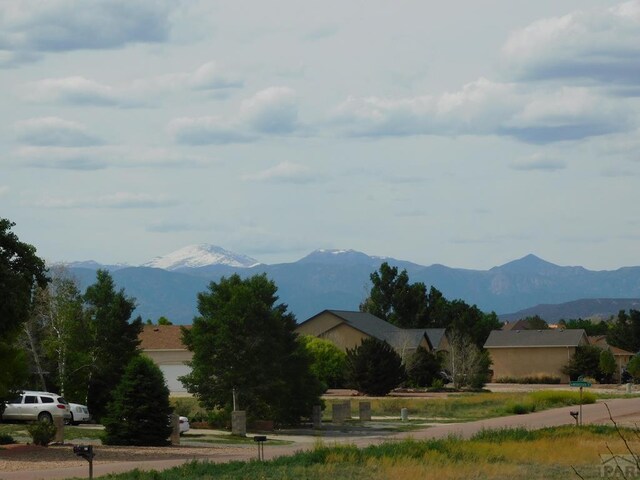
{"x": 347, "y": 409}
{"x": 338, "y": 414}
{"x": 175, "y": 429}
{"x": 59, "y": 423}
{"x": 316, "y": 417}
{"x": 404, "y": 414}
{"x": 365, "y": 411}
{"x": 239, "y": 423}
{"x": 628, "y": 388}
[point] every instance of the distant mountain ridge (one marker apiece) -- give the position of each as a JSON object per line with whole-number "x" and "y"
{"x": 586, "y": 308}
{"x": 339, "y": 279}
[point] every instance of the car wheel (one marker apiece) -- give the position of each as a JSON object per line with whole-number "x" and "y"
{"x": 70, "y": 421}
{"x": 45, "y": 417}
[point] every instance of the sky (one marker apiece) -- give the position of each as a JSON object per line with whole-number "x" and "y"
{"x": 464, "y": 133}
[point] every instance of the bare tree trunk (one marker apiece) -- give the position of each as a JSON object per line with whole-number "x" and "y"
{"x": 36, "y": 357}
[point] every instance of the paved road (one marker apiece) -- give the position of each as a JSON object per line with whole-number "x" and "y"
{"x": 622, "y": 409}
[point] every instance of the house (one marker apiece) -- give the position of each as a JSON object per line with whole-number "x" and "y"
{"x": 163, "y": 344}
{"x": 533, "y": 353}
{"x": 346, "y": 329}
{"x": 621, "y": 356}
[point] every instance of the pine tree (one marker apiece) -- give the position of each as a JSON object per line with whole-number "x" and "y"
{"x": 374, "y": 367}
{"x": 140, "y": 409}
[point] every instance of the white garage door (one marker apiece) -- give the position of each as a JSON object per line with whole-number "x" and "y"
{"x": 171, "y": 374}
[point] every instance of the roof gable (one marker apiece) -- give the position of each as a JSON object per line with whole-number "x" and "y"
{"x": 536, "y": 338}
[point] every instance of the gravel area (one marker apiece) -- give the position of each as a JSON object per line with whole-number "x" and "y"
{"x": 19, "y": 457}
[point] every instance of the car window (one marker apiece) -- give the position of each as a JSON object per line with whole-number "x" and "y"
{"x": 46, "y": 399}
{"x": 62, "y": 401}
{"x": 16, "y": 400}
{"x": 30, "y": 399}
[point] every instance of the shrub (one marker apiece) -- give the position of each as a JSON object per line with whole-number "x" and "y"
{"x": 498, "y": 435}
{"x": 423, "y": 368}
{"x": 328, "y": 362}
{"x": 139, "y": 412}
{"x": 42, "y": 433}
{"x": 374, "y": 367}
{"x": 607, "y": 366}
{"x": 6, "y": 439}
{"x": 520, "y": 408}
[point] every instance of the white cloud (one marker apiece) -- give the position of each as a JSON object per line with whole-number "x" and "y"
{"x": 78, "y": 90}
{"x": 483, "y": 107}
{"x": 285, "y": 172}
{"x": 54, "y": 131}
{"x": 103, "y": 157}
{"x": 115, "y": 200}
{"x": 539, "y": 162}
{"x": 4, "y": 190}
{"x": 273, "y": 110}
{"x": 30, "y": 26}
{"x": 601, "y": 45}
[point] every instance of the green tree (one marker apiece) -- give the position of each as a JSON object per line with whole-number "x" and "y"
{"x": 244, "y": 341}
{"x": 536, "y": 322}
{"x": 584, "y": 362}
{"x": 21, "y": 270}
{"x": 328, "y": 361}
{"x": 607, "y": 366}
{"x": 394, "y": 299}
{"x": 625, "y": 331}
{"x": 113, "y": 339}
{"x": 164, "y": 321}
{"x": 138, "y": 413}
{"x": 374, "y": 367}
{"x": 591, "y": 328}
{"x": 633, "y": 367}
{"x": 424, "y": 367}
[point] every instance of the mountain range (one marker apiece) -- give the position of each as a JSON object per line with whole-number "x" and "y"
{"x": 339, "y": 279}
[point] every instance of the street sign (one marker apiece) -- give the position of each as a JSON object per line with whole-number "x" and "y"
{"x": 580, "y": 383}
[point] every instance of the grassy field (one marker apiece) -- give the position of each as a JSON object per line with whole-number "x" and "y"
{"x": 466, "y": 406}
{"x": 499, "y": 454}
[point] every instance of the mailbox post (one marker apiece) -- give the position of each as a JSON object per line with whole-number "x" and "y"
{"x": 86, "y": 452}
{"x": 581, "y": 382}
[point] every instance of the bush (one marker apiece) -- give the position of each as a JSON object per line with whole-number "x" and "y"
{"x": 424, "y": 368}
{"x": 139, "y": 412}
{"x": 584, "y": 362}
{"x": 374, "y": 367}
{"x": 42, "y": 433}
{"x": 520, "y": 408}
{"x": 328, "y": 362}
{"x": 6, "y": 439}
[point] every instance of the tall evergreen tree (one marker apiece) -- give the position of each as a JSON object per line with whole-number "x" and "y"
{"x": 374, "y": 367}
{"x": 138, "y": 413}
{"x": 244, "y": 341}
{"x": 113, "y": 338}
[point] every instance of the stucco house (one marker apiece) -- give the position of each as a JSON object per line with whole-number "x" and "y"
{"x": 163, "y": 344}
{"x": 346, "y": 329}
{"x": 621, "y": 356}
{"x": 533, "y": 353}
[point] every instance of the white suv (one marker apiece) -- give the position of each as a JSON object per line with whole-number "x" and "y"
{"x": 41, "y": 406}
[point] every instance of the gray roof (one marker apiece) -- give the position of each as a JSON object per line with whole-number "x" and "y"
{"x": 397, "y": 337}
{"x": 435, "y": 336}
{"x": 536, "y": 338}
{"x": 367, "y": 323}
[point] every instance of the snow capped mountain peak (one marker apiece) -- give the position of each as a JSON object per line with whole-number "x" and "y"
{"x": 203, "y": 255}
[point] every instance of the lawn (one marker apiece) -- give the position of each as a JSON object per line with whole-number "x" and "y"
{"x": 466, "y": 407}
{"x": 550, "y": 453}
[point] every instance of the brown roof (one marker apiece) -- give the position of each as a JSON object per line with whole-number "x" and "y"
{"x": 162, "y": 337}
{"x": 601, "y": 341}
